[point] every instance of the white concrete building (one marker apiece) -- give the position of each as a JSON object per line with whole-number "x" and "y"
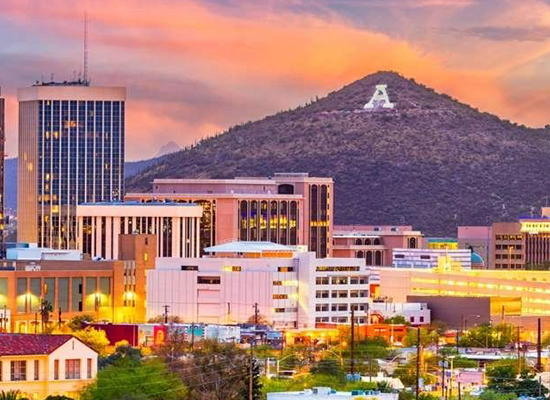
{"x": 292, "y": 289}
{"x": 176, "y": 227}
{"x": 31, "y": 251}
{"x": 326, "y": 393}
{"x": 415, "y": 313}
{"x": 429, "y": 258}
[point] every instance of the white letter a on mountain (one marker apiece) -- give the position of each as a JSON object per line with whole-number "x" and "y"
{"x": 379, "y": 98}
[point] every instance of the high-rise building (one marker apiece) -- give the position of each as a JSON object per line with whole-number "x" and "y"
{"x": 2, "y": 139}
{"x": 71, "y": 151}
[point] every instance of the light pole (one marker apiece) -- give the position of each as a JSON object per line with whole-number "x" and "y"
{"x": 465, "y": 320}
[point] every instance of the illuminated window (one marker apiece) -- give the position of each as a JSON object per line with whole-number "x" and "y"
{"x": 280, "y": 296}
{"x": 72, "y": 369}
{"x": 285, "y": 269}
{"x": 208, "y": 280}
{"x": 18, "y": 371}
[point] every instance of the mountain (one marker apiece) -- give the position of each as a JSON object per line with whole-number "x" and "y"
{"x": 431, "y": 161}
{"x": 170, "y": 147}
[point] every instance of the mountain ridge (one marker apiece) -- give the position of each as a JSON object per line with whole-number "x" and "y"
{"x": 432, "y": 161}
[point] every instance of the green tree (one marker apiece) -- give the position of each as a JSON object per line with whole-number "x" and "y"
{"x": 492, "y": 395}
{"x": 78, "y": 323}
{"x": 121, "y": 353}
{"x": 256, "y": 382}
{"x": 128, "y": 379}
{"x": 486, "y": 335}
{"x": 94, "y": 338}
{"x": 327, "y": 366}
{"x": 427, "y": 338}
{"x": 398, "y": 319}
{"x": 11, "y": 395}
{"x": 60, "y": 397}
{"x": 503, "y": 378}
{"x": 159, "y": 319}
{"x": 45, "y": 309}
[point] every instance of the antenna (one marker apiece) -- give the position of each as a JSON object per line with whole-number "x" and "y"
{"x": 85, "y": 78}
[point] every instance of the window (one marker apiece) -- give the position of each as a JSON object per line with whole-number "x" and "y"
{"x": 72, "y": 369}
{"x": 421, "y": 319}
{"x": 358, "y": 280}
{"x": 412, "y": 319}
{"x": 321, "y": 294}
{"x": 399, "y": 256}
{"x": 189, "y": 267}
{"x": 339, "y": 280}
{"x": 280, "y": 296}
{"x": 321, "y": 319}
{"x": 277, "y": 283}
{"x": 0, "y": 371}
{"x": 363, "y": 293}
{"x": 321, "y": 307}
{"x": 321, "y": 280}
{"x": 208, "y": 280}
{"x": 285, "y": 269}
{"x": 18, "y": 370}
{"x": 56, "y": 369}
{"x": 36, "y": 370}
{"x": 425, "y": 257}
{"x": 279, "y": 310}
{"x": 354, "y": 293}
{"x": 89, "y": 368}
{"x": 339, "y": 307}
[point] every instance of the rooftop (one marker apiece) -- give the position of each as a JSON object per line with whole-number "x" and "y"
{"x": 18, "y": 344}
{"x": 247, "y": 247}
{"x": 140, "y": 204}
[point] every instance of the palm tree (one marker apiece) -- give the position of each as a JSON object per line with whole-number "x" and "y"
{"x": 45, "y": 309}
{"x": 11, "y": 395}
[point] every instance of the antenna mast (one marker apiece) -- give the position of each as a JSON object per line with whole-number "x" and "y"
{"x": 85, "y": 77}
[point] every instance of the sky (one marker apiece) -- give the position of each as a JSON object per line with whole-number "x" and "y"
{"x": 195, "y": 68}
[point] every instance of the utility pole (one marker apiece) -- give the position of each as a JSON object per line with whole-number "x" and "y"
{"x": 228, "y": 312}
{"x": 459, "y": 392}
{"x": 519, "y": 356}
{"x": 352, "y": 349}
{"x": 59, "y": 317}
{"x": 418, "y": 364}
{"x": 539, "y": 348}
{"x": 166, "y": 307}
{"x": 192, "y": 336}
{"x": 251, "y": 361}
{"x": 443, "y": 396}
{"x": 256, "y": 313}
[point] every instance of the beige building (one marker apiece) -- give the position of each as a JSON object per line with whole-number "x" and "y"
{"x": 176, "y": 227}
{"x": 45, "y": 365}
{"x": 71, "y": 151}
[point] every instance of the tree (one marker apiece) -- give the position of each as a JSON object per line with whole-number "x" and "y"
{"x": 327, "y": 366}
{"x": 11, "y": 395}
{"x": 121, "y": 352}
{"x": 427, "y": 338}
{"x": 216, "y": 371}
{"x": 174, "y": 347}
{"x": 45, "y": 309}
{"x": 492, "y": 395}
{"x": 440, "y": 327}
{"x": 159, "y": 319}
{"x": 397, "y": 320}
{"x": 256, "y": 382}
{"x": 95, "y": 339}
{"x": 130, "y": 380}
{"x": 486, "y": 335}
{"x": 77, "y": 323}
{"x": 262, "y": 320}
{"x": 503, "y": 378}
{"x": 60, "y": 397}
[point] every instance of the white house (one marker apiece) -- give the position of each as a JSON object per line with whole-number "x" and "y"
{"x": 43, "y": 365}
{"x": 325, "y": 393}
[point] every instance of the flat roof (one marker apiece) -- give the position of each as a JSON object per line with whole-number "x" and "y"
{"x": 71, "y": 92}
{"x": 246, "y": 247}
{"x": 138, "y": 209}
{"x": 200, "y": 196}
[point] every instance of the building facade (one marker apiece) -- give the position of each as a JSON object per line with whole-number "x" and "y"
{"x": 175, "y": 227}
{"x": 374, "y": 243}
{"x": 430, "y": 258}
{"x": 39, "y": 366}
{"x": 478, "y": 238}
{"x": 71, "y": 151}
{"x": 2, "y": 157}
{"x": 112, "y": 291}
{"x": 288, "y": 208}
{"x": 291, "y": 289}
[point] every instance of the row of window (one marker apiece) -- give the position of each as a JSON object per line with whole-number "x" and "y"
{"x": 18, "y": 370}
{"x": 509, "y": 266}
{"x": 341, "y": 294}
{"x": 341, "y": 280}
{"x": 508, "y": 247}
{"x": 341, "y": 307}
{"x": 508, "y": 237}
{"x": 505, "y": 256}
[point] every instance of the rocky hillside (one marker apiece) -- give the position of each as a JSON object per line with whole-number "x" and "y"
{"x": 432, "y": 161}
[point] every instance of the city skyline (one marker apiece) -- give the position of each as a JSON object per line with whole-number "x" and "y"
{"x": 185, "y": 83}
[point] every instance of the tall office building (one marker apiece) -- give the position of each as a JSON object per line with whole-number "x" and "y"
{"x": 2, "y": 139}
{"x": 71, "y": 151}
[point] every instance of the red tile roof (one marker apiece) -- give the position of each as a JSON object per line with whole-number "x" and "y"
{"x": 18, "y": 344}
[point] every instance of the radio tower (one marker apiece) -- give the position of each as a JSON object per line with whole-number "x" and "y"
{"x": 85, "y": 77}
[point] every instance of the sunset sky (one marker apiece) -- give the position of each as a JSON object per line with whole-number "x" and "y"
{"x": 194, "y": 68}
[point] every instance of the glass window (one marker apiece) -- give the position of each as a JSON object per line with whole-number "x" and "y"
{"x": 321, "y": 280}
{"x": 208, "y": 280}
{"x": 36, "y": 370}
{"x": 19, "y": 370}
{"x": 63, "y": 295}
{"x": 72, "y": 369}
{"x": 76, "y": 303}
{"x": 89, "y": 368}
{"x": 56, "y": 369}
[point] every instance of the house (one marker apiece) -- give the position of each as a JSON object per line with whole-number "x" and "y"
{"x": 43, "y": 365}
{"x": 326, "y": 393}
